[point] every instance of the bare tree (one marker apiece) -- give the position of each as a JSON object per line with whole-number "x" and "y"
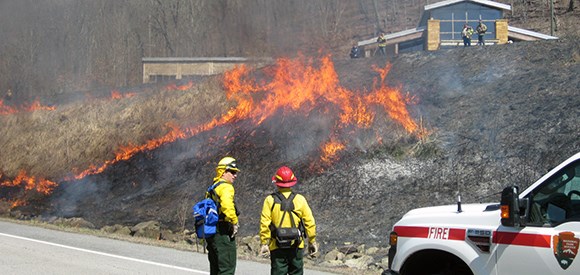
{"x": 379, "y": 27}
{"x": 326, "y": 22}
{"x": 161, "y": 24}
{"x": 182, "y": 212}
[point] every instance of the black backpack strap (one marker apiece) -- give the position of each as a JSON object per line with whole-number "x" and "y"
{"x": 211, "y": 190}
{"x": 213, "y": 195}
{"x": 276, "y": 200}
{"x": 286, "y": 205}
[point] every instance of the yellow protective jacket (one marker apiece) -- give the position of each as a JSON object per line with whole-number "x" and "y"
{"x": 225, "y": 192}
{"x": 301, "y": 211}
{"x": 467, "y": 32}
{"x": 382, "y": 41}
{"x": 481, "y": 29}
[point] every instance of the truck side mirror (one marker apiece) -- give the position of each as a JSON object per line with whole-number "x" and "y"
{"x": 510, "y": 208}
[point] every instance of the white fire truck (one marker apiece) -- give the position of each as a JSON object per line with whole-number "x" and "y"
{"x": 536, "y": 231}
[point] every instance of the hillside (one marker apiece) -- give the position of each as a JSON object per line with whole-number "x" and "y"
{"x": 497, "y": 116}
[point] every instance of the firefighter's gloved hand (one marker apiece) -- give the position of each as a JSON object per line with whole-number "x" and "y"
{"x": 235, "y": 230}
{"x": 264, "y": 250}
{"x": 313, "y": 250}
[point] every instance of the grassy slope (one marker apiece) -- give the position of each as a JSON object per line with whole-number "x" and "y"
{"x": 52, "y": 144}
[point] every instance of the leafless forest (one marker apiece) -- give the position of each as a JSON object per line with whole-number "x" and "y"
{"x": 64, "y": 46}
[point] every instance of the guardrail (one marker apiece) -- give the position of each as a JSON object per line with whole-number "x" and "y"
{"x": 460, "y": 42}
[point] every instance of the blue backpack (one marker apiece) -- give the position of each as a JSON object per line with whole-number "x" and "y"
{"x": 206, "y": 215}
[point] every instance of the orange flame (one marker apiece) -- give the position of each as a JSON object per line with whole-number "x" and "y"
{"x": 35, "y": 105}
{"x": 330, "y": 151}
{"x": 296, "y": 85}
{"x": 40, "y": 185}
{"x": 185, "y": 87}
{"x": 115, "y": 94}
{"x": 18, "y": 202}
{"x": 126, "y": 152}
{"x": 6, "y": 110}
{"x": 394, "y": 103}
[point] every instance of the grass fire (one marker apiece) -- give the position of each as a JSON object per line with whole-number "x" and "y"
{"x": 298, "y": 87}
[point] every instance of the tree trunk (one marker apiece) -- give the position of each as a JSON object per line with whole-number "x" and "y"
{"x": 379, "y": 28}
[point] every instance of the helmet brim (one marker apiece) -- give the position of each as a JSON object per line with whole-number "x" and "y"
{"x": 283, "y": 184}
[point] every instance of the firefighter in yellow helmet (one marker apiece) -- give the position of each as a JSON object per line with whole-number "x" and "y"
{"x": 221, "y": 247}
{"x": 285, "y": 224}
{"x": 382, "y": 42}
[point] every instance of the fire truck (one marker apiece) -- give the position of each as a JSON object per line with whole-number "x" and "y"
{"x": 536, "y": 231}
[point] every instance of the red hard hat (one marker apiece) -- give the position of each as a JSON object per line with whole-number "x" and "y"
{"x": 284, "y": 177}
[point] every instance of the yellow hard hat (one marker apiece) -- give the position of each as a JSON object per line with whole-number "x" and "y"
{"x": 228, "y": 164}
{"x": 225, "y": 164}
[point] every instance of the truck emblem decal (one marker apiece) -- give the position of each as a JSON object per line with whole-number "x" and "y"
{"x": 565, "y": 248}
{"x": 438, "y": 233}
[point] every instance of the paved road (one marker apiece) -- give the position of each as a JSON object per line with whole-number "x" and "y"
{"x": 34, "y": 250}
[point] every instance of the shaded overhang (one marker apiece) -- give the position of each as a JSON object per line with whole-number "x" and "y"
{"x": 482, "y": 2}
{"x": 397, "y": 37}
{"x": 527, "y": 35}
{"x": 194, "y": 59}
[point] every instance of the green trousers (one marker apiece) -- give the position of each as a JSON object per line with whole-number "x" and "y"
{"x": 287, "y": 261}
{"x": 222, "y": 254}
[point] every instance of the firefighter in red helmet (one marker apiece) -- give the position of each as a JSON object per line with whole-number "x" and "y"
{"x": 286, "y": 225}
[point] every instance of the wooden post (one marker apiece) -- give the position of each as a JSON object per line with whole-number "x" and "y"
{"x": 433, "y": 35}
{"x": 501, "y": 31}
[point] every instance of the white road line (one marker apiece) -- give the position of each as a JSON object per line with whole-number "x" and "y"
{"x": 106, "y": 254}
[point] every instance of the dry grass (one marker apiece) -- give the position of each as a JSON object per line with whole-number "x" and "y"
{"x": 52, "y": 144}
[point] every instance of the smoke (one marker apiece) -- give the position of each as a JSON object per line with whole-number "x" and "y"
{"x": 67, "y": 201}
{"x": 300, "y": 135}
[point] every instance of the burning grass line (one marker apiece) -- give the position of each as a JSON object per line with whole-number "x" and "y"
{"x": 34, "y": 106}
{"x": 296, "y": 86}
{"x": 294, "y": 83}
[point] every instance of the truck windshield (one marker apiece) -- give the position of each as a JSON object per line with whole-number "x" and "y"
{"x": 558, "y": 199}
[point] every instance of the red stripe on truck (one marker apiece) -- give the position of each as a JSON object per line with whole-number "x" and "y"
{"x": 443, "y": 233}
{"x": 458, "y": 234}
{"x": 524, "y": 239}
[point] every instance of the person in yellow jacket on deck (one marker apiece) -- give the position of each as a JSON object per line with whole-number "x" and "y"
{"x": 285, "y": 224}
{"x": 221, "y": 247}
{"x": 382, "y": 42}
